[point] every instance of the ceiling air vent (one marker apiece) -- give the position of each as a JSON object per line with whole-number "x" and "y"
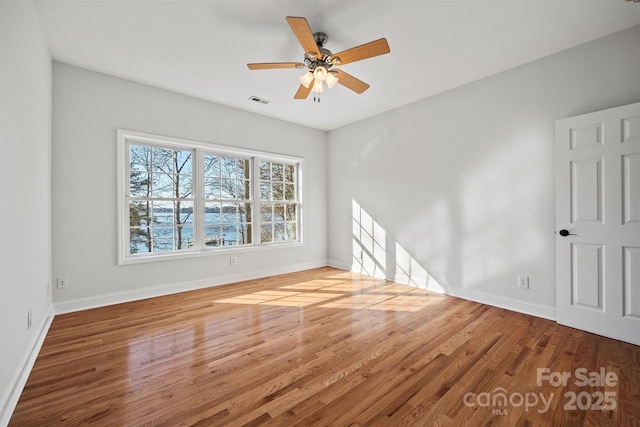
{"x": 258, "y": 99}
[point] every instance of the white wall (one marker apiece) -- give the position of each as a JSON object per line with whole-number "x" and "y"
{"x": 461, "y": 185}
{"x": 25, "y": 191}
{"x": 88, "y": 108}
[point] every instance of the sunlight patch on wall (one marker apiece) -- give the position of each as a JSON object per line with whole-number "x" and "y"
{"x": 410, "y": 272}
{"x": 376, "y": 255}
{"x": 369, "y": 244}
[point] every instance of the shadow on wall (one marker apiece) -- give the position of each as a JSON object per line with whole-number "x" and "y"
{"x": 377, "y": 254}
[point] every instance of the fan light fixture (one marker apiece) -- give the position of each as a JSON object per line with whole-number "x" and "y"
{"x": 317, "y": 86}
{"x": 319, "y": 75}
{"x": 306, "y": 79}
{"x": 331, "y": 79}
{"x": 319, "y": 61}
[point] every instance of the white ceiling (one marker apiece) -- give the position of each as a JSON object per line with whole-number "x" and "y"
{"x": 201, "y": 47}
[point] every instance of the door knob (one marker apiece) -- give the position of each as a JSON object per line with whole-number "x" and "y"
{"x": 565, "y": 233}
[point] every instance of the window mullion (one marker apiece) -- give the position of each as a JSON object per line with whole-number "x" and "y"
{"x": 125, "y": 210}
{"x": 298, "y": 202}
{"x": 197, "y": 178}
{"x": 255, "y": 183}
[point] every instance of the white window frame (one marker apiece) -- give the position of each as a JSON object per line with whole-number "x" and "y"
{"x": 127, "y": 137}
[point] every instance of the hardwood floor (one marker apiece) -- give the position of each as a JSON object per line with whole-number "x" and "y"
{"x": 323, "y": 347}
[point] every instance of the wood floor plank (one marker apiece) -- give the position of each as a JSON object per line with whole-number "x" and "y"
{"x": 322, "y": 347}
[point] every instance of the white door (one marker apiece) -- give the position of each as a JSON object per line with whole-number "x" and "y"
{"x": 598, "y": 203}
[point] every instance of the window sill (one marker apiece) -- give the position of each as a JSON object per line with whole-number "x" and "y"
{"x": 226, "y": 251}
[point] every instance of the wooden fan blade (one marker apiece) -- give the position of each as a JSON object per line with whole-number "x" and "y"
{"x": 368, "y": 50}
{"x": 270, "y": 65}
{"x": 347, "y": 80}
{"x": 303, "y": 92}
{"x": 301, "y": 29}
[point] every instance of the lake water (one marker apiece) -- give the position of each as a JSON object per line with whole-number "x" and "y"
{"x": 220, "y": 230}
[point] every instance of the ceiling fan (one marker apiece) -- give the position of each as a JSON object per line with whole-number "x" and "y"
{"x": 319, "y": 61}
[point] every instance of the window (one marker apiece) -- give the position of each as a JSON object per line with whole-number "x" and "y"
{"x": 185, "y": 198}
{"x": 277, "y": 202}
{"x": 160, "y": 199}
{"x": 228, "y": 205}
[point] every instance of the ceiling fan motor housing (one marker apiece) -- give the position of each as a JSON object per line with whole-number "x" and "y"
{"x": 320, "y": 38}
{"x": 324, "y": 58}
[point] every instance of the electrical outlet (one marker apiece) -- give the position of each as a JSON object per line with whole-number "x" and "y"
{"x": 63, "y": 283}
{"x": 523, "y": 282}
{"x": 29, "y": 319}
{"x": 233, "y": 260}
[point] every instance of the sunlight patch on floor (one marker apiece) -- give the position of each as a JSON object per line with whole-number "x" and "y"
{"x": 280, "y": 298}
{"x": 367, "y": 294}
{"x": 357, "y": 302}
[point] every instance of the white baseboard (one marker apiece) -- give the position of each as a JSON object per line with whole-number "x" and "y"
{"x": 21, "y": 378}
{"x": 79, "y": 304}
{"x": 338, "y": 264}
{"x": 525, "y": 307}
